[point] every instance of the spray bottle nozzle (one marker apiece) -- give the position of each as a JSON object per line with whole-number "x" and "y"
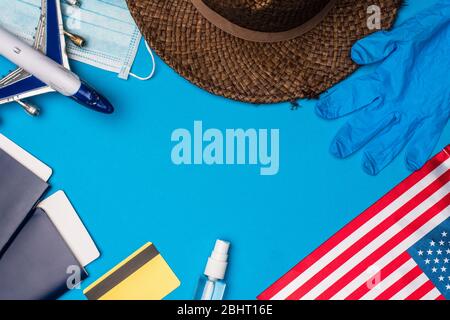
{"x": 218, "y": 261}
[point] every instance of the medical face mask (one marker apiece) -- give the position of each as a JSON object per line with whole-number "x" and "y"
{"x": 112, "y": 38}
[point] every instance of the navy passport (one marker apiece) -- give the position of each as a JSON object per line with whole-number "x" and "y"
{"x": 20, "y": 190}
{"x": 35, "y": 261}
{"x": 38, "y": 263}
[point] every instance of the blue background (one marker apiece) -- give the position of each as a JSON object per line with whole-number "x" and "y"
{"x": 118, "y": 173}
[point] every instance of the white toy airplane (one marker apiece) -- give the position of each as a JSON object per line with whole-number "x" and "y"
{"x": 44, "y": 67}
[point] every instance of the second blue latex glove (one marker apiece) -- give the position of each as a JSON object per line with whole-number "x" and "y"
{"x": 406, "y": 101}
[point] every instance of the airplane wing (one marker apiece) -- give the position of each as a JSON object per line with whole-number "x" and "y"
{"x": 49, "y": 39}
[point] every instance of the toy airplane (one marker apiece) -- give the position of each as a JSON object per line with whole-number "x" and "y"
{"x": 44, "y": 67}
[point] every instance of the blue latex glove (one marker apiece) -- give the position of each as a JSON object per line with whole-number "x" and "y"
{"x": 406, "y": 99}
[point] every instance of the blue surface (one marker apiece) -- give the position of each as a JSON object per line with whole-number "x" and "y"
{"x": 118, "y": 173}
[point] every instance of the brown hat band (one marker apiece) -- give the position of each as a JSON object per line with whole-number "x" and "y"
{"x": 258, "y": 36}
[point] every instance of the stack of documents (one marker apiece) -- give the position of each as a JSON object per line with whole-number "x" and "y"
{"x": 44, "y": 246}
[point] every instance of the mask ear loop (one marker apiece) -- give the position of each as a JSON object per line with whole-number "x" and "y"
{"x": 153, "y": 68}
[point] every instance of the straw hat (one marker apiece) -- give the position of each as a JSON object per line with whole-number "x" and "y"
{"x": 259, "y": 51}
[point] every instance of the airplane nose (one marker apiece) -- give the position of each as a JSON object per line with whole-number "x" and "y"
{"x": 104, "y": 105}
{"x": 90, "y": 98}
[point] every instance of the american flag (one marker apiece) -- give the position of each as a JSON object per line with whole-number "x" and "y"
{"x": 397, "y": 249}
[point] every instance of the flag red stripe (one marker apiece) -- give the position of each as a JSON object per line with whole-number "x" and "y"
{"x": 400, "y": 284}
{"x": 361, "y": 243}
{"x": 441, "y": 297}
{"x": 354, "y": 225}
{"x": 420, "y": 292}
{"x": 386, "y": 247}
{"x": 385, "y": 272}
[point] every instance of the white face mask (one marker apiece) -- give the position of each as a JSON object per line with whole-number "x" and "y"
{"x": 112, "y": 37}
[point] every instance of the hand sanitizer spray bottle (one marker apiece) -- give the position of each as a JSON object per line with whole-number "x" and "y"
{"x": 211, "y": 285}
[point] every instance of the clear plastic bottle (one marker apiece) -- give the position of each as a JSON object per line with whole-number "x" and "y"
{"x": 211, "y": 285}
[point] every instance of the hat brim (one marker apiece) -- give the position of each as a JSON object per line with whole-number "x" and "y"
{"x": 256, "y": 72}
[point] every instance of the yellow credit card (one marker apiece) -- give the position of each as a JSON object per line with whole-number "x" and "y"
{"x": 144, "y": 275}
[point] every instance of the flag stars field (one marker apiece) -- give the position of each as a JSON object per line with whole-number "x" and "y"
{"x": 437, "y": 259}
